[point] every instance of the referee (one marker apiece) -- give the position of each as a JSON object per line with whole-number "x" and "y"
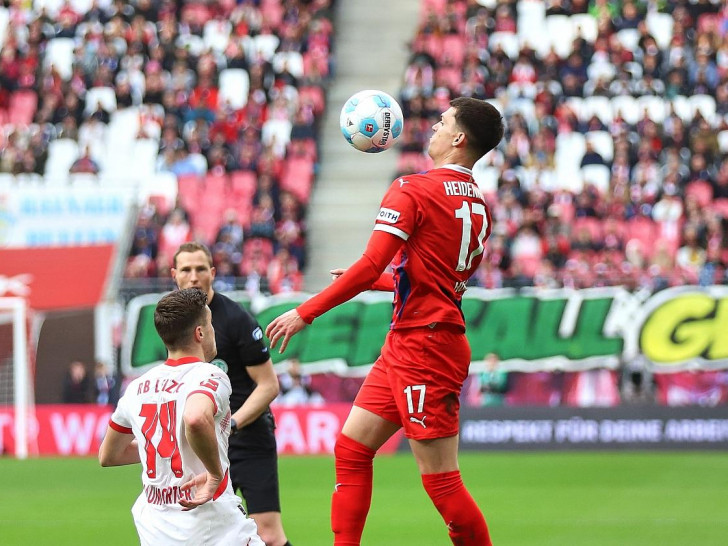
{"x": 243, "y": 355}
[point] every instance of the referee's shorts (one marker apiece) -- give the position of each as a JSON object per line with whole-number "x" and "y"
{"x": 254, "y": 465}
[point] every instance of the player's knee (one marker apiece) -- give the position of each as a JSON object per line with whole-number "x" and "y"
{"x": 348, "y": 450}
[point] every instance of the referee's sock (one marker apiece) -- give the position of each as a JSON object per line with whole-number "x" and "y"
{"x": 465, "y": 522}
{"x": 352, "y": 492}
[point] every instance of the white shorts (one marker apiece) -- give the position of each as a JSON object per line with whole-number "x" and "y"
{"x": 215, "y": 523}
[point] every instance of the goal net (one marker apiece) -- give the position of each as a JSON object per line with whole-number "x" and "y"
{"x": 16, "y": 375}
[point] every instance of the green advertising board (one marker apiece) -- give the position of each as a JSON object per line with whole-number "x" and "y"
{"x": 531, "y": 330}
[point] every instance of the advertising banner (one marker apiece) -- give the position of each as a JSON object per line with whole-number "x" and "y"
{"x": 530, "y": 330}
{"x": 54, "y": 278}
{"x": 77, "y": 429}
{"x": 624, "y": 427}
{"x": 47, "y": 216}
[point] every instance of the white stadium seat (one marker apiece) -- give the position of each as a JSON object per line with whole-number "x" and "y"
{"x": 705, "y": 104}
{"x": 629, "y": 38}
{"x": 234, "y": 87}
{"x": 599, "y": 106}
{"x": 103, "y": 95}
{"x": 59, "y": 53}
{"x": 508, "y": 41}
{"x": 603, "y": 143}
{"x": 660, "y": 26}
{"x": 62, "y": 153}
{"x": 627, "y": 107}
{"x": 292, "y": 59}
{"x": 656, "y": 107}
{"x": 560, "y": 34}
{"x": 216, "y": 34}
{"x": 597, "y": 176}
{"x": 485, "y": 176}
{"x": 585, "y": 25}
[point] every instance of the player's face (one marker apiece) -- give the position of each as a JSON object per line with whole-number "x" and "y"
{"x": 445, "y": 133}
{"x": 209, "y": 347}
{"x": 194, "y": 271}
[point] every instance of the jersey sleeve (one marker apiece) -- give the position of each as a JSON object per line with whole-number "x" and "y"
{"x": 215, "y": 384}
{"x": 398, "y": 211}
{"x": 119, "y": 420}
{"x": 250, "y": 344}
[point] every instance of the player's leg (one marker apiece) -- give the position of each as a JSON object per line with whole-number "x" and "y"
{"x": 363, "y": 433}
{"x": 254, "y": 472}
{"x": 438, "y": 464}
{"x": 426, "y": 381}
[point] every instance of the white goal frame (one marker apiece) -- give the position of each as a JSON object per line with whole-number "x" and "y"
{"x": 22, "y": 399}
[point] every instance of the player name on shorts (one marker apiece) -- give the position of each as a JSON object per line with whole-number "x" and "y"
{"x": 467, "y": 189}
{"x": 166, "y": 495}
{"x": 167, "y": 385}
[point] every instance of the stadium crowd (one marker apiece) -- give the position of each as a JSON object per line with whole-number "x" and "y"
{"x": 614, "y": 166}
{"x": 228, "y": 93}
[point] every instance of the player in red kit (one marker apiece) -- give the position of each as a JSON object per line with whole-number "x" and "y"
{"x": 431, "y": 227}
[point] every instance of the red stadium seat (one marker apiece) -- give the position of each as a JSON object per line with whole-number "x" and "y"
{"x": 298, "y": 177}
{"x": 243, "y": 184}
{"x": 189, "y": 191}
{"x": 701, "y": 191}
{"x": 22, "y": 107}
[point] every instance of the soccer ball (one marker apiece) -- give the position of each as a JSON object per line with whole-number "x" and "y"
{"x": 371, "y": 121}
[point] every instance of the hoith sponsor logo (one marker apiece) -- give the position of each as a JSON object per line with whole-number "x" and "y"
{"x": 388, "y": 215}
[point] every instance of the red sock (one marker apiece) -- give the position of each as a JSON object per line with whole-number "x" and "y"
{"x": 353, "y": 491}
{"x": 465, "y": 523}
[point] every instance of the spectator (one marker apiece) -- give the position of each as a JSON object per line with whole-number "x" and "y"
{"x": 76, "y": 384}
{"x": 296, "y": 387}
{"x": 85, "y": 164}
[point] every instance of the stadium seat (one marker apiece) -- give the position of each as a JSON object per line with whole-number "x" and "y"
{"x": 598, "y": 176}
{"x": 601, "y": 70}
{"x": 603, "y": 143}
{"x": 52, "y": 7}
{"x": 62, "y": 153}
{"x": 705, "y": 104}
{"x": 216, "y": 34}
{"x": 293, "y": 60}
{"x": 189, "y": 189}
{"x": 315, "y": 95}
{"x": 105, "y": 96}
{"x": 723, "y": 141}
{"x": 485, "y": 176}
{"x": 626, "y": 106}
{"x": 508, "y": 41}
{"x": 7, "y": 182}
{"x": 4, "y": 19}
{"x": 22, "y": 107}
{"x": 297, "y": 177}
{"x": 560, "y": 34}
{"x": 629, "y": 38}
{"x": 243, "y": 184}
{"x": 161, "y": 190}
{"x": 682, "y": 107}
{"x": 59, "y": 54}
{"x": 276, "y": 133}
{"x": 264, "y": 46}
{"x": 660, "y": 26}
{"x": 701, "y": 191}
{"x": 84, "y": 181}
{"x": 234, "y": 87}
{"x": 600, "y": 107}
{"x": 585, "y": 25}
{"x": 656, "y": 107}
{"x": 453, "y": 49}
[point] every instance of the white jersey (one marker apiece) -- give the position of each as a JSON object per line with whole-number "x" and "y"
{"x": 152, "y": 409}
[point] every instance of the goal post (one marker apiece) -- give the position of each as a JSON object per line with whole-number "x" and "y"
{"x": 15, "y": 357}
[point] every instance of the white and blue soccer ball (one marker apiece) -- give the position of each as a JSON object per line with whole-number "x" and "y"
{"x": 371, "y": 121}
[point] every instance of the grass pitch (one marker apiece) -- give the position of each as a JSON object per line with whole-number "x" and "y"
{"x": 534, "y": 499}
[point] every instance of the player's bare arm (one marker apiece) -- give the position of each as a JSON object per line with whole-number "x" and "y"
{"x": 265, "y": 391}
{"x": 118, "y": 449}
{"x": 199, "y": 420}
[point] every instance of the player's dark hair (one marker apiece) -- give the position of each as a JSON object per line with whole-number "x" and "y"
{"x": 481, "y": 122}
{"x": 177, "y": 314}
{"x": 192, "y": 246}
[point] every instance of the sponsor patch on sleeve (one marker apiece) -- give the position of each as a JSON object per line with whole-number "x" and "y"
{"x": 388, "y": 215}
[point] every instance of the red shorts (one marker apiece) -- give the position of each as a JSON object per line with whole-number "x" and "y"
{"x": 416, "y": 381}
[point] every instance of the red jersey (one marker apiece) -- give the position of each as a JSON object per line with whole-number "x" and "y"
{"x": 443, "y": 220}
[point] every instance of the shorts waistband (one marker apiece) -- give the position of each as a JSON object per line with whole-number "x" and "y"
{"x": 436, "y": 327}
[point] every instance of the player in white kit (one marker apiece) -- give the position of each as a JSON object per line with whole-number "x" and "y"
{"x": 175, "y": 420}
